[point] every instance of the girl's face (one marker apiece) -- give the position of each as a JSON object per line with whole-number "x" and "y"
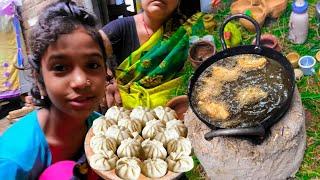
{"x": 160, "y": 8}
{"x": 73, "y": 70}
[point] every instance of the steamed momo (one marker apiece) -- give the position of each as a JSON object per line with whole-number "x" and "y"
{"x": 142, "y": 114}
{"x": 132, "y": 126}
{"x": 166, "y": 136}
{"x": 118, "y": 133}
{"x": 179, "y": 162}
{"x": 100, "y": 125}
{"x": 181, "y": 144}
{"x": 154, "y": 168}
{"x": 178, "y": 126}
{"x": 137, "y": 137}
{"x": 153, "y": 149}
{"x": 165, "y": 113}
{"x": 129, "y": 148}
{"x": 152, "y": 128}
{"x": 116, "y": 113}
{"x": 128, "y": 168}
{"x": 102, "y": 143}
{"x": 103, "y": 161}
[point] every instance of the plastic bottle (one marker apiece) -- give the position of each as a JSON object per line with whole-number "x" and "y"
{"x": 298, "y": 24}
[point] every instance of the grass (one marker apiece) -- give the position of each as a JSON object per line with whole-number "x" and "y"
{"x": 309, "y": 87}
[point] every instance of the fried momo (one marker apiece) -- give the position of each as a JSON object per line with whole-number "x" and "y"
{"x": 225, "y": 74}
{"x": 249, "y": 63}
{"x": 251, "y": 95}
{"x": 215, "y": 110}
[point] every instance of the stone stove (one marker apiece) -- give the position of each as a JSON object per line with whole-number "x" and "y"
{"x": 278, "y": 156}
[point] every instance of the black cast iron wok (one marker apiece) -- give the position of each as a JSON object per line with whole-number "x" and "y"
{"x": 266, "y": 122}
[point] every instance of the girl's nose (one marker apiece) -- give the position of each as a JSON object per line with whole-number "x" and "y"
{"x": 79, "y": 80}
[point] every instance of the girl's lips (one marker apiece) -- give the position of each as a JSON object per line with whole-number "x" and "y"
{"x": 82, "y": 102}
{"x": 159, "y": 2}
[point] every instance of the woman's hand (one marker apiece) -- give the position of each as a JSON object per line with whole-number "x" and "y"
{"x": 112, "y": 94}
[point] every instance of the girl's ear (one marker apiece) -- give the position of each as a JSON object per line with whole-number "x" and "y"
{"x": 41, "y": 88}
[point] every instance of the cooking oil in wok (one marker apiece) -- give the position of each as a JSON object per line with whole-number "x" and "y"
{"x": 252, "y": 94}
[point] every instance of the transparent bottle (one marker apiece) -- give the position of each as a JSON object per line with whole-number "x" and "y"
{"x": 299, "y": 22}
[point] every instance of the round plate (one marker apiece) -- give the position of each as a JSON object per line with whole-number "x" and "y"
{"x": 112, "y": 173}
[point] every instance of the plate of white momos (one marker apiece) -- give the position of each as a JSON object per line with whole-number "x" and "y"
{"x": 139, "y": 144}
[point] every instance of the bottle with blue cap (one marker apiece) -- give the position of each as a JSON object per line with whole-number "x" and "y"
{"x": 299, "y": 22}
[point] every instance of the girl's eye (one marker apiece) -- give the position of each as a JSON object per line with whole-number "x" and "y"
{"x": 94, "y": 65}
{"x": 59, "y": 68}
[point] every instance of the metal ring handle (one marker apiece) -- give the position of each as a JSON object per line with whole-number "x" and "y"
{"x": 236, "y": 16}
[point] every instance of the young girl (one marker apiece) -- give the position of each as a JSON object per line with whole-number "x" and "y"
{"x": 69, "y": 67}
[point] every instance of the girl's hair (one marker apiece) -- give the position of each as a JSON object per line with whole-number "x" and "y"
{"x": 62, "y": 17}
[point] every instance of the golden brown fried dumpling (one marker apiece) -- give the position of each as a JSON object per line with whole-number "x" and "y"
{"x": 153, "y": 149}
{"x": 215, "y": 110}
{"x": 128, "y": 168}
{"x": 251, "y": 95}
{"x": 178, "y": 126}
{"x": 179, "y": 162}
{"x": 142, "y": 114}
{"x": 165, "y": 113}
{"x": 118, "y": 133}
{"x": 152, "y": 128}
{"x": 116, "y": 113}
{"x": 129, "y": 148}
{"x": 100, "y": 142}
{"x": 225, "y": 74}
{"x": 132, "y": 126}
{"x": 103, "y": 161}
{"x": 249, "y": 63}
{"x": 180, "y": 145}
{"x": 100, "y": 125}
{"x": 154, "y": 168}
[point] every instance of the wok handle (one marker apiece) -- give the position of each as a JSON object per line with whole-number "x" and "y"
{"x": 236, "y": 16}
{"x": 252, "y": 131}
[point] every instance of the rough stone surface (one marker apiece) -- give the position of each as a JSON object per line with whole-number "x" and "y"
{"x": 278, "y": 157}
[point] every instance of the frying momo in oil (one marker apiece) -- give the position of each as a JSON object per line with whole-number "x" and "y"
{"x": 154, "y": 168}
{"x": 215, "y": 110}
{"x": 179, "y": 162}
{"x": 103, "y": 161}
{"x": 250, "y": 95}
{"x": 225, "y": 74}
{"x": 128, "y": 168}
{"x": 249, "y": 62}
{"x": 102, "y": 143}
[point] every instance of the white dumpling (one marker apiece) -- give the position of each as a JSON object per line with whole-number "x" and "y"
{"x": 153, "y": 149}
{"x": 132, "y": 126}
{"x": 118, "y": 133}
{"x": 137, "y": 137}
{"x": 103, "y": 161}
{"x": 166, "y": 136}
{"x": 128, "y": 168}
{"x": 129, "y": 148}
{"x": 154, "y": 168}
{"x": 100, "y": 125}
{"x": 152, "y": 128}
{"x": 116, "y": 113}
{"x": 181, "y": 144}
{"x": 142, "y": 114}
{"x": 179, "y": 162}
{"x": 165, "y": 113}
{"x": 100, "y": 142}
{"x": 178, "y": 126}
